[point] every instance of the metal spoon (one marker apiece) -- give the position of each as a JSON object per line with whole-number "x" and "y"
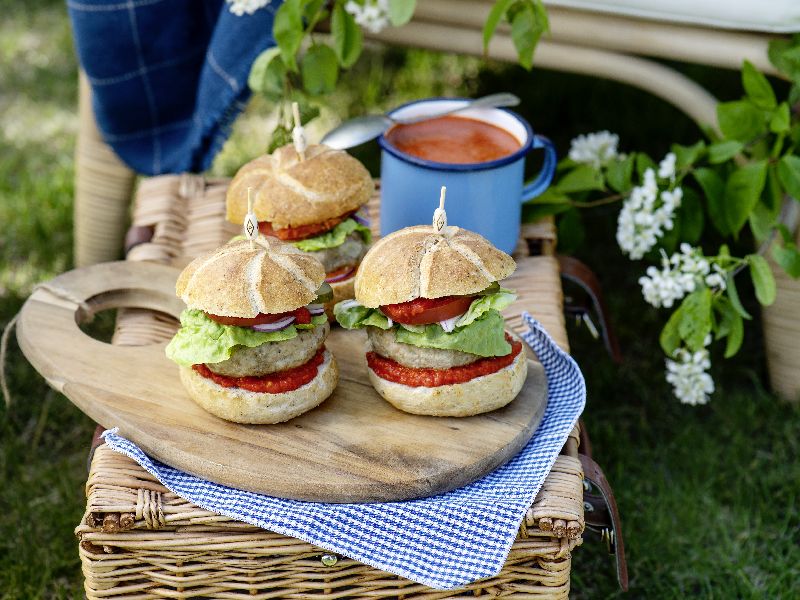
{"x": 362, "y": 129}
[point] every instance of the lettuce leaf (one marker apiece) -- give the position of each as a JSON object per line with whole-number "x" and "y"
{"x": 483, "y": 304}
{"x": 203, "y": 340}
{"x": 480, "y": 330}
{"x": 357, "y": 316}
{"x": 485, "y": 336}
{"x": 334, "y": 237}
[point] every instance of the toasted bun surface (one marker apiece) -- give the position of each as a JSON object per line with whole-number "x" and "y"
{"x": 239, "y": 281}
{"x": 289, "y": 192}
{"x": 243, "y": 406}
{"x": 417, "y": 262}
{"x": 473, "y": 397}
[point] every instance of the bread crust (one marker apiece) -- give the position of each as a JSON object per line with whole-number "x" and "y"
{"x": 417, "y": 262}
{"x": 473, "y": 397}
{"x": 257, "y": 408}
{"x": 239, "y": 281}
{"x": 289, "y": 192}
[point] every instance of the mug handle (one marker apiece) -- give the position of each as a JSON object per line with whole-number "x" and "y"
{"x": 541, "y": 183}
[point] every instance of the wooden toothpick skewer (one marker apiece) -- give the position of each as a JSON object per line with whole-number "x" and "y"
{"x": 439, "y": 215}
{"x": 250, "y": 221}
{"x": 298, "y": 134}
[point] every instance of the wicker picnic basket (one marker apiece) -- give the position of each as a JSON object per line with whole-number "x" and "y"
{"x": 138, "y": 540}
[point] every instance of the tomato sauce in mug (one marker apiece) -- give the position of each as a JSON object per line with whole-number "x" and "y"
{"x": 455, "y": 140}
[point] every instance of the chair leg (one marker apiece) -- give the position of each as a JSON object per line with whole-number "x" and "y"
{"x": 103, "y": 190}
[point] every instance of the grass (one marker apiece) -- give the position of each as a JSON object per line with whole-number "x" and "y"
{"x": 708, "y": 495}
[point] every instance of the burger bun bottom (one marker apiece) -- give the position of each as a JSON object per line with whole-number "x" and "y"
{"x": 259, "y": 408}
{"x": 479, "y": 395}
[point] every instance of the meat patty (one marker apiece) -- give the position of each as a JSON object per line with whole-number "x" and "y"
{"x": 384, "y": 343}
{"x": 348, "y": 254}
{"x": 273, "y": 356}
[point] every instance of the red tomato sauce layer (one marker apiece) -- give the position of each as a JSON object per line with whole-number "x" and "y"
{"x": 391, "y": 370}
{"x": 274, "y": 383}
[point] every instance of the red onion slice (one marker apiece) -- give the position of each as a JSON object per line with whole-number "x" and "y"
{"x": 316, "y": 309}
{"x": 361, "y": 220}
{"x": 345, "y": 304}
{"x": 341, "y": 277}
{"x": 276, "y": 326}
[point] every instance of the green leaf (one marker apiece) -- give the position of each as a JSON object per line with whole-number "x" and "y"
{"x": 288, "y": 31}
{"x": 335, "y": 237}
{"x": 722, "y": 151}
{"x": 268, "y": 74}
{"x": 785, "y": 56}
{"x": 311, "y": 8}
{"x": 762, "y": 221}
{"x": 757, "y": 87}
{"x": 525, "y": 34}
{"x": 733, "y": 295}
{"x": 742, "y": 191}
{"x": 401, "y": 11}
{"x": 740, "y": 120}
{"x": 735, "y": 335}
{"x": 670, "y": 339}
{"x": 580, "y": 179}
{"x": 644, "y": 162}
{"x": 763, "y": 280}
{"x": 619, "y": 173}
{"x": 498, "y": 301}
{"x": 692, "y": 217}
{"x": 203, "y": 340}
{"x": 483, "y": 337}
{"x": 714, "y": 189}
{"x": 347, "y": 36}
{"x": 499, "y": 9}
{"x": 789, "y": 175}
{"x": 320, "y": 70}
{"x": 687, "y": 155}
{"x": 695, "y": 323}
{"x": 788, "y": 258}
{"x": 780, "y": 121}
{"x": 280, "y": 137}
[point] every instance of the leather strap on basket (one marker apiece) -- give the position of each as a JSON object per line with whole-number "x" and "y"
{"x": 578, "y": 273}
{"x": 600, "y": 508}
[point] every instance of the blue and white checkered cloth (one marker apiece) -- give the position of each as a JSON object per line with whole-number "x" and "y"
{"x": 168, "y": 77}
{"x": 445, "y": 541}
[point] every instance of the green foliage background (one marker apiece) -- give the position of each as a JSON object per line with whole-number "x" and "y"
{"x": 709, "y": 495}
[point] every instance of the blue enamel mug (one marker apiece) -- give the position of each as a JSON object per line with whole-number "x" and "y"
{"x": 483, "y": 197}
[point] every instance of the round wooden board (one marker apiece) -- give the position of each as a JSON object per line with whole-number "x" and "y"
{"x": 355, "y": 447}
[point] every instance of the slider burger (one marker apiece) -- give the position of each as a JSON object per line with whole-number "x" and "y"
{"x": 430, "y": 303}
{"x": 314, "y": 203}
{"x": 251, "y": 346}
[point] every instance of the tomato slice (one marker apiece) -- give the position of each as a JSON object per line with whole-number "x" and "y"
{"x": 391, "y": 370}
{"x": 301, "y": 316}
{"x": 427, "y": 310}
{"x": 301, "y": 232}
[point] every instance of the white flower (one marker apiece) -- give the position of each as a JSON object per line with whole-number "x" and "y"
{"x": 666, "y": 168}
{"x": 372, "y": 15}
{"x": 596, "y": 149}
{"x": 680, "y": 274}
{"x": 240, "y": 7}
{"x": 646, "y": 215}
{"x": 691, "y": 384}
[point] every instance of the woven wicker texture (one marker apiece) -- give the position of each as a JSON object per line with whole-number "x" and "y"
{"x": 138, "y": 540}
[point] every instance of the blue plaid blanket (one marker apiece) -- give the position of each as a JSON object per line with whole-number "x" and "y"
{"x": 168, "y": 77}
{"x": 445, "y": 541}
